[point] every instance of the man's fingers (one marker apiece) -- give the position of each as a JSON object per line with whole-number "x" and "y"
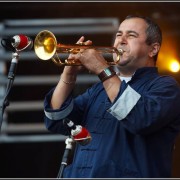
{"x": 80, "y": 40}
{"x": 88, "y": 42}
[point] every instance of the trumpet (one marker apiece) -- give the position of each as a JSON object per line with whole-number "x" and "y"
{"x": 46, "y": 48}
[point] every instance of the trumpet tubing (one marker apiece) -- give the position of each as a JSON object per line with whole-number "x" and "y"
{"x": 46, "y": 48}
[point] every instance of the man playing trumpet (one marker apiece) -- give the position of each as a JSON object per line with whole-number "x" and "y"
{"x": 133, "y": 116}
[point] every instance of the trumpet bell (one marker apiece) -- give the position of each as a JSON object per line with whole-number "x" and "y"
{"x": 45, "y": 45}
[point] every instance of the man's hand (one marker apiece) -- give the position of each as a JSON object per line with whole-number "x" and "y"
{"x": 75, "y": 69}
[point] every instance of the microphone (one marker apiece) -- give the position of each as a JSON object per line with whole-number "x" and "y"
{"x": 17, "y": 43}
{"x": 21, "y": 42}
{"x": 79, "y": 134}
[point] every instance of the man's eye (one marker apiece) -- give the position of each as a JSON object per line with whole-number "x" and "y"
{"x": 132, "y": 35}
{"x": 118, "y": 35}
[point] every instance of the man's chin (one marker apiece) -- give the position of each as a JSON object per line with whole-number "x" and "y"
{"x": 123, "y": 62}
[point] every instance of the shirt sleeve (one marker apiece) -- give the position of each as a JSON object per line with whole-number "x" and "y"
{"x": 125, "y": 103}
{"x": 147, "y": 110}
{"x": 57, "y": 114}
{"x": 71, "y": 108}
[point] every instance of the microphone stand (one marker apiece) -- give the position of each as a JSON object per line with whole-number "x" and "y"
{"x": 75, "y": 135}
{"x": 11, "y": 77}
{"x": 11, "y": 46}
{"x": 69, "y": 141}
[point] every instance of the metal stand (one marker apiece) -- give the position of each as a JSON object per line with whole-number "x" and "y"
{"x": 69, "y": 141}
{"x": 11, "y": 76}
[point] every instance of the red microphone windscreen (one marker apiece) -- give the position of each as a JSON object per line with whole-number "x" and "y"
{"x": 83, "y": 137}
{"x": 23, "y": 41}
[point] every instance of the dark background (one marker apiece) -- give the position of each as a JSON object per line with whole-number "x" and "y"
{"x": 42, "y": 159}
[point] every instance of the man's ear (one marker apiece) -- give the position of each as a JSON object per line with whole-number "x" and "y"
{"x": 154, "y": 49}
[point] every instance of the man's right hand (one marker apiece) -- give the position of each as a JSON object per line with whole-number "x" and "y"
{"x": 74, "y": 70}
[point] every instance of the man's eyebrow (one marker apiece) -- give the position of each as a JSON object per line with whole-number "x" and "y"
{"x": 130, "y": 31}
{"x": 133, "y": 32}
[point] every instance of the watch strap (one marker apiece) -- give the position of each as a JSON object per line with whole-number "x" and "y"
{"x": 106, "y": 74}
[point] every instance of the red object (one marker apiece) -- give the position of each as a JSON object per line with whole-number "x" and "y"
{"x": 23, "y": 41}
{"x": 82, "y": 135}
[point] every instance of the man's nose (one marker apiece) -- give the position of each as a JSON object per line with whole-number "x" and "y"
{"x": 123, "y": 39}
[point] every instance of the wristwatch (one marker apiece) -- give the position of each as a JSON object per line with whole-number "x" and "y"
{"x": 106, "y": 74}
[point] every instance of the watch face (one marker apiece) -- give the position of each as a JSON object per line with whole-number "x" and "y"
{"x": 108, "y": 72}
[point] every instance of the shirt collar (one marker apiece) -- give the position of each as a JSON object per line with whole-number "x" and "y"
{"x": 139, "y": 73}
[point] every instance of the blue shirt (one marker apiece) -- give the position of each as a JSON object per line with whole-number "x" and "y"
{"x": 133, "y": 137}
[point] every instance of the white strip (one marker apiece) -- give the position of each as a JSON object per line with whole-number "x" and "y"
{"x": 125, "y": 103}
{"x": 60, "y": 114}
{"x": 31, "y": 138}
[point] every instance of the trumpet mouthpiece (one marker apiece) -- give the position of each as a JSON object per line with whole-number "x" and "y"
{"x": 120, "y": 51}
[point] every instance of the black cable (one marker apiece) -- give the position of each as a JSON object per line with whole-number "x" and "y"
{"x": 5, "y": 101}
{"x": 7, "y": 44}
